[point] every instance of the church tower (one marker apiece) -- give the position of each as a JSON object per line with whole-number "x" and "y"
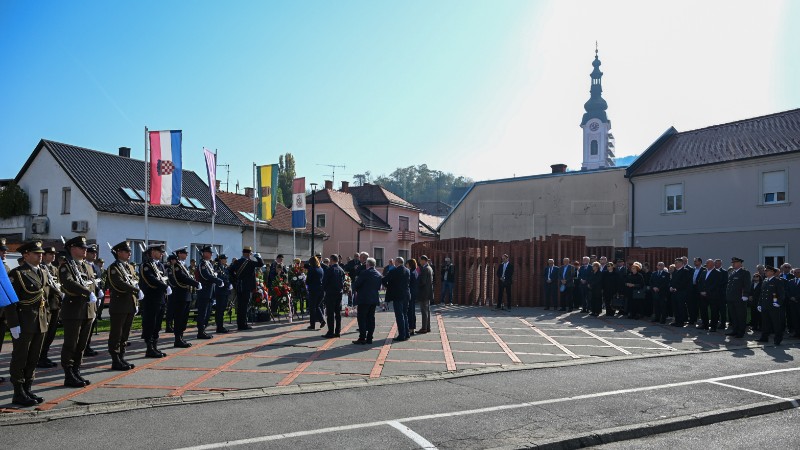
{"x": 598, "y": 142}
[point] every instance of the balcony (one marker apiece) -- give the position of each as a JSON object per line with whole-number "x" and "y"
{"x": 408, "y": 236}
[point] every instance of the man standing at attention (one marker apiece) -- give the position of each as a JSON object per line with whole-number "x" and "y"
{"x": 448, "y": 282}
{"x": 550, "y": 285}
{"x": 243, "y": 270}
{"x": 505, "y": 275}
{"x": 425, "y": 294}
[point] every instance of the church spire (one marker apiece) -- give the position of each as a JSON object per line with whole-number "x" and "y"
{"x": 598, "y": 142}
{"x": 596, "y": 106}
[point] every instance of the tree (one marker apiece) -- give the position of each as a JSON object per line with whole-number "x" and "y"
{"x": 422, "y": 184}
{"x": 286, "y": 176}
{"x": 13, "y": 201}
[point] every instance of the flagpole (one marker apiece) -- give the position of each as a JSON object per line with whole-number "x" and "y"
{"x": 255, "y": 212}
{"x": 294, "y": 243}
{"x": 146, "y": 189}
{"x": 214, "y": 210}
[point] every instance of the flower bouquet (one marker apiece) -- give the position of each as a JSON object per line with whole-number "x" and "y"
{"x": 297, "y": 280}
{"x": 281, "y": 293}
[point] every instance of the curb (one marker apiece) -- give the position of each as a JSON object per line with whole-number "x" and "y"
{"x": 29, "y": 417}
{"x": 642, "y": 430}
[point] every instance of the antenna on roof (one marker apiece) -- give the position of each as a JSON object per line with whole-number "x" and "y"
{"x": 333, "y": 171}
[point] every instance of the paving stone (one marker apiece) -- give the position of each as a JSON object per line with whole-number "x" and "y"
{"x": 501, "y": 358}
{"x": 153, "y": 377}
{"x": 415, "y": 355}
{"x": 243, "y": 380}
{"x": 338, "y": 366}
{"x": 531, "y": 359}
{"x": 594, "y": 351}
{"x": 282, "y": 363}
{"x": 209, "y": 362}
{"x": 492, "y": 347}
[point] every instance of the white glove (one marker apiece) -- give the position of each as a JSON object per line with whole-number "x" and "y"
{"x": 230, "y": 287}
{"x": 137, "y": 311}
{"x": 15, "y": 332}
{"x": 63, "y": 295}
{"x": 758, "y": 308}
{"x": 199, "y": 286}
{"x": 92, "y": 297}
{"x": 744, "y": 299}
{"x": 141, "y": 295}
{"x": 775, "y": 304}
{"x": 257, "y": 255}
{"x": 169, "y": 290}
{"x": 221, "y": 284}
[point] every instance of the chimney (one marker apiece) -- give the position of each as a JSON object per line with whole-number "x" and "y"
{"x": 125, "y": 152}
{"x": 218, "y": 184}
{"x": 345, "y": 186}
{"x": 559, "y": 168}
{"x": 248, "y": 192}
{"x": 328, "y": 185}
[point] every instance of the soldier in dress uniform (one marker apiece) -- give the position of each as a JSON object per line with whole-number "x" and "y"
{"x": 123, "y": 285}
{"x": 155, "y": 286}
{"x": 54, "y": 296}
{"x": 222, "y": 295}
{"x": 772, "y": 307}
{"x": 27, "y": 320}
{"x": 211, "y": 282}
{"x": 243, "y": 270}
{"x": 737, "y": 293}
{"x": 78, "y": 309}
{"x": 182, "y": 284}
{"x": 91, "y": 259}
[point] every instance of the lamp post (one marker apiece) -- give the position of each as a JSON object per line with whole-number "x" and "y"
{"x": 313, "y": 217}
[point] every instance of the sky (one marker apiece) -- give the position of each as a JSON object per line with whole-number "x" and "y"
{"x": 477, "y": 88}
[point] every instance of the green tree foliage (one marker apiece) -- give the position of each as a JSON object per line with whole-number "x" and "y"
{"x": 13, "y": 201}
{"x": 286, "y": 175}
{"x": 421, "y": 184}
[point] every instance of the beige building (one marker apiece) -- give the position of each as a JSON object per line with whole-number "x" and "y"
{"x": 591, "y": 203}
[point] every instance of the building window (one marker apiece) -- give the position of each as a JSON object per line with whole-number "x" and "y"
{"x": 66, "y": 200}
{"x": 403, "y": 223}
{"x": 320, "y": 220}
{"x": 269, "y": 240}
{"x": 378, "y": 255}
{"x": 137, "y": 245}
{"x": 405, "y": 254}
{"x": 773, "y": 187}
{"x": 594, "y": 147}
{"x": 43, "y": 202}
{"x": 773, "y": 255}
{"x": 674, "y": 197}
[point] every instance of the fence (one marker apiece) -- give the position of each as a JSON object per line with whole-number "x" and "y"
{"x": 477, "y": 260}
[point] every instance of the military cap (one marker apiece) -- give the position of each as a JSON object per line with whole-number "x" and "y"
{"x": 77, "y": 241}
{"x": 92, "y": 248}
{"x": 50, "y": 249}
{"x": 279, "y": 256}
{"x": 247, "y": 249}
{"x": 159, "y": 247}
{"x": 182, "y": 250}
{"x": 31, "y": 247}
{"x": 736, "y": 259}
{"x": 770, "y": 269}
{"x": 207, "y": 248}
{"x": 222, "y": 256}
{"x": 172, "y": 258}
{"x": 123, "y": 246}
{"x": 3, "y": 245}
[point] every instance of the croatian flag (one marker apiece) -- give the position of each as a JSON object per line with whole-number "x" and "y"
{"x": 299, "y": 203}
{"x": 165, "y": 167}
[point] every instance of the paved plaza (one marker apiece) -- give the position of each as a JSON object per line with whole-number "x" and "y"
{"x": 282, "y": 355}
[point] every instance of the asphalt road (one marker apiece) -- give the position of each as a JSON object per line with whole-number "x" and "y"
{"x": 511, "y": 409}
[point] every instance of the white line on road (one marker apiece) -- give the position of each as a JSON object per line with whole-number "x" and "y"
{"x": 605, "y": 341}
{"x": 551, "y": 340}
{"x": 488, "y": 409}
{"x": 421, "y": 441}
{"x": 636, "y": 333}
{"x": 794, "y": 402}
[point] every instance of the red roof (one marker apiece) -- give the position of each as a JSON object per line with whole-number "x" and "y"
{"x": 281, "y": 221}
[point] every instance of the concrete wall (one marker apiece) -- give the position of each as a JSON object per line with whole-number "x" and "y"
{"x": 266, "y": 240}
{"x": 723, "y": 213}
{"x": 591, "y": 203}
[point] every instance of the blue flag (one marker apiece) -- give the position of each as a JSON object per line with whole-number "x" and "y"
{"x": 7, "y": 294}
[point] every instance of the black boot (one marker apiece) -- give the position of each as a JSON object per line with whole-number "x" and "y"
{"x": 222, "y": 330}
{"x": 180, "y": 343}
{"x": 201, "y": 334}
{"x": 77, "y": 372}
{"x": 70, "y": 380}
{"x": 27, "y": 387}
{"x": 20, "y": 397}
{"x": 89, "y": 351}
{"x": 122, "y": 358}
{"x": 117, "y": 364}
{"x": 151, "y": 351}
{"x": 45, "y": 363}
{"x": 155, "y": 347}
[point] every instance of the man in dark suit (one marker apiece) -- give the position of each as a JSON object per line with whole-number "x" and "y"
{"x": 366, "y": 286}
{"x": 680, "y": 286}
{"x": 566, "y": 283}
{"x": 397, "y": 292}
{"x": 737, "y": 293}
{"x": 659, "y": 285}
{"x": 771, "y": 306}
{"x": 550, "y": 285}
{"x": 693, "y": 300}
{"x": 786, "y": 275}
{"x": 333, "y": 285}
{"x": 707, "y": 291}
{"x": 584, "y": 272}
{"x": 724, "y": 315}
{"x": 243, "y": 271}
{"x": 425, "y": 294}
{"x": 505, "y": 275}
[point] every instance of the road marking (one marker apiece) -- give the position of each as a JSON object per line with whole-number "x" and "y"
{"x": 304, "y": 365}
{"x": 448, "y": 352}
{"x": 421, "y": 441}
{"x": 488, "y": 409}
{"x": 794, "y": 402}
{"x": 605, "y": 341}
{"x": 552, "y": 341}
{"x": 500, "y": 342}
{"x": 377, "y": 368}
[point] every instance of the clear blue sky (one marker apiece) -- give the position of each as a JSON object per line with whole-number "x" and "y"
{"x": 483, "y": 89}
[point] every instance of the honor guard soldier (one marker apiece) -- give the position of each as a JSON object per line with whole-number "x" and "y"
{"x": 772, "y": 308}
{"x": 737, "y": 293}
{"x": 155, "y": 287}
{"x": 221, "y": 295}
{"x": 182, "y": 284}
{"x": 123, "y": 285}
{"x": 27, "y": 320}
{"x": 54, "y": 296}
{"x": 243, "y": 271}
{"x": 210, "y": 281}
{"x": 91, "y": 259}
{"x": 78, "y": 309}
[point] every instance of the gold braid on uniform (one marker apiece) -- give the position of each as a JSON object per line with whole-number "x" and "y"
{"x": 175, "y": 278}
{"x": 38, "y": 295}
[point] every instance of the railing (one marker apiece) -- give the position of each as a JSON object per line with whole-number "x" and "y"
{"x": 406, "y": 236}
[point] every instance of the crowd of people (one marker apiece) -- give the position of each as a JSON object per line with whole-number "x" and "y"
{"x": 704, "y": 295}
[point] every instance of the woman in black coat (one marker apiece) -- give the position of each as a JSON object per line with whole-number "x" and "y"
{"x": 315, "y": 293}
{"x": 413, "y": 286}
{"x": 609, "y": 287}
{"x": 755, "y": 289}
{"x": 595, "y": 285}
{"x": 634, "y": 281}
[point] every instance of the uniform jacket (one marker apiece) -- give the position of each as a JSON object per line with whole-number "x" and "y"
{"x": 397, "y": 284}
{"x": 224, "y": 275}
{"x": 425, "y": 283}
{"x": 209, "y": 278}
{"x": 243, "y": 270}
{"x": 773, "y": 291}
{"x": 123, "y": 285}
{"x": 152, "y": 280}
{"x": 31, "y": 313}
{"x": 77, "y": 283}
{"x": 367, "y": 285}
{"x": 738, "y": 285}
{"x": 509, "y": 275}
{"x": 53, "y": 290}
{"x": 182, "y": 282}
